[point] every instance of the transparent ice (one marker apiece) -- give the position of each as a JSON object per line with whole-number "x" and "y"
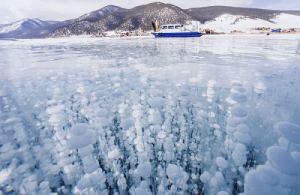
{"x": 210, "y": 115}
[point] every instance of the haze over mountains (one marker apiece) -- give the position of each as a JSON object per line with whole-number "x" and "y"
{"x": 116, "y": 18}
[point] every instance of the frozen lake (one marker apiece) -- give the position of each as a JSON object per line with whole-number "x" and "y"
{"x": 210, "y": 115}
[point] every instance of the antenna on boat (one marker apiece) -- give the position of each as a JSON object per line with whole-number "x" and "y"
{"x": 153, "y": 25}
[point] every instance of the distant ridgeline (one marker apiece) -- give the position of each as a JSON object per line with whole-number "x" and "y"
{"x": 140, "y": 17}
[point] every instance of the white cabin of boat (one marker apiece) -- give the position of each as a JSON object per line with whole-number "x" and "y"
{"x": 191, "y": 26}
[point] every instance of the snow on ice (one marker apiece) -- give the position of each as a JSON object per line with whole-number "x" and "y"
{"x": 210, "y": 115}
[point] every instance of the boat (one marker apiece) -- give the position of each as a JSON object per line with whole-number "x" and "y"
{"x": 178, "y": 30}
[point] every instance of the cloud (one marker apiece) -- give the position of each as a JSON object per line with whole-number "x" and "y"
{"x": 284, "y": 5}
{"x": 12, "y": 10}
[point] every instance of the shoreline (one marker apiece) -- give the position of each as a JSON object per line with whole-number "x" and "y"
{"x": 88, "y": 37}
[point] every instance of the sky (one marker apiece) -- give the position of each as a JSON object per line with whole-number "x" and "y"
{"x": 59, "y": 10}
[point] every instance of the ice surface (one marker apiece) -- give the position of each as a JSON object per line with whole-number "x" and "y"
{"x": 150, "y": 116}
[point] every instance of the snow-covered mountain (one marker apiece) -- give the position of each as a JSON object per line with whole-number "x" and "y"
{"x": 34, "y": 28}
{"x": 99, "y": 13}
{"x": 22, "y": 27}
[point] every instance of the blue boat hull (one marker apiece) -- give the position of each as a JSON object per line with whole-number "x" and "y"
{"x": 179, "y": 34}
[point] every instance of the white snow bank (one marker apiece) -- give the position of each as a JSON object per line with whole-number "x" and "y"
{"x": 227, "y": 23}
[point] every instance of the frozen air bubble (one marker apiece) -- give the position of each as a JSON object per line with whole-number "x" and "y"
{"x": 211, "y": 83}
{"x": 156, "y": 102}
{"x": 205, "y": 177}
{"x": 267, "y": 175}
{"x": 232, "y": 122}
{"x": 56, "y": 118}
{"x": 296, "y": 156}
{"x": 101, "y": 93}
{"x": 117, "y": 94}
{"x": 144, "y": 170}
{"x": 230, "y": 129}
{"x": 101, "y": 112}
{"x": 230, "y": 101}
{"x": 240, "y": 149}
{"x": 236, "y": 83}
{"x": 222, "y": 193}
{"x": 242, "y": 137}
{"x": 238, "y": 111}
{"x": 90, "y": 164}
{"x": 113, "y": 154}
{"x": 282, "y": 160}
{"x": 11, "y": 120}
{"x": 289, "y": 131}
{"x": 55, "y": 109}
{"x": 255, "y": 186}
{"x": 211, "y": 115}
{"x": 44, "y": 185}
{"x": 259, "y": 87}
{"x": 194, "y": 80}
{"x": 221, "y": 162}
{"x": 80, "y": 141}
{"x": 238, "y": 97}
{"x": 155, "y": 92}
{"x": 283, "y": 143}
{"x": 243, "y": 128}
{"x": 286, "y": 180}
{"x": 238, "y": 89}
{"x": 184, "y": 93}
{"x": 127, "y": 123}
{"x": 173, "y": 172}
{"x": 6, "y": 147}
{"x": 238, "y": 159}
{"x": 239, "y": 154}
{"x": 161, "y": 134}
{"x": 79, "y": 129}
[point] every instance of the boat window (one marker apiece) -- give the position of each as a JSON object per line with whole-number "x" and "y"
{"x": 177, "y": 27}
{"x": 164, "y": 27}
{"x": 170, "y": 27}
